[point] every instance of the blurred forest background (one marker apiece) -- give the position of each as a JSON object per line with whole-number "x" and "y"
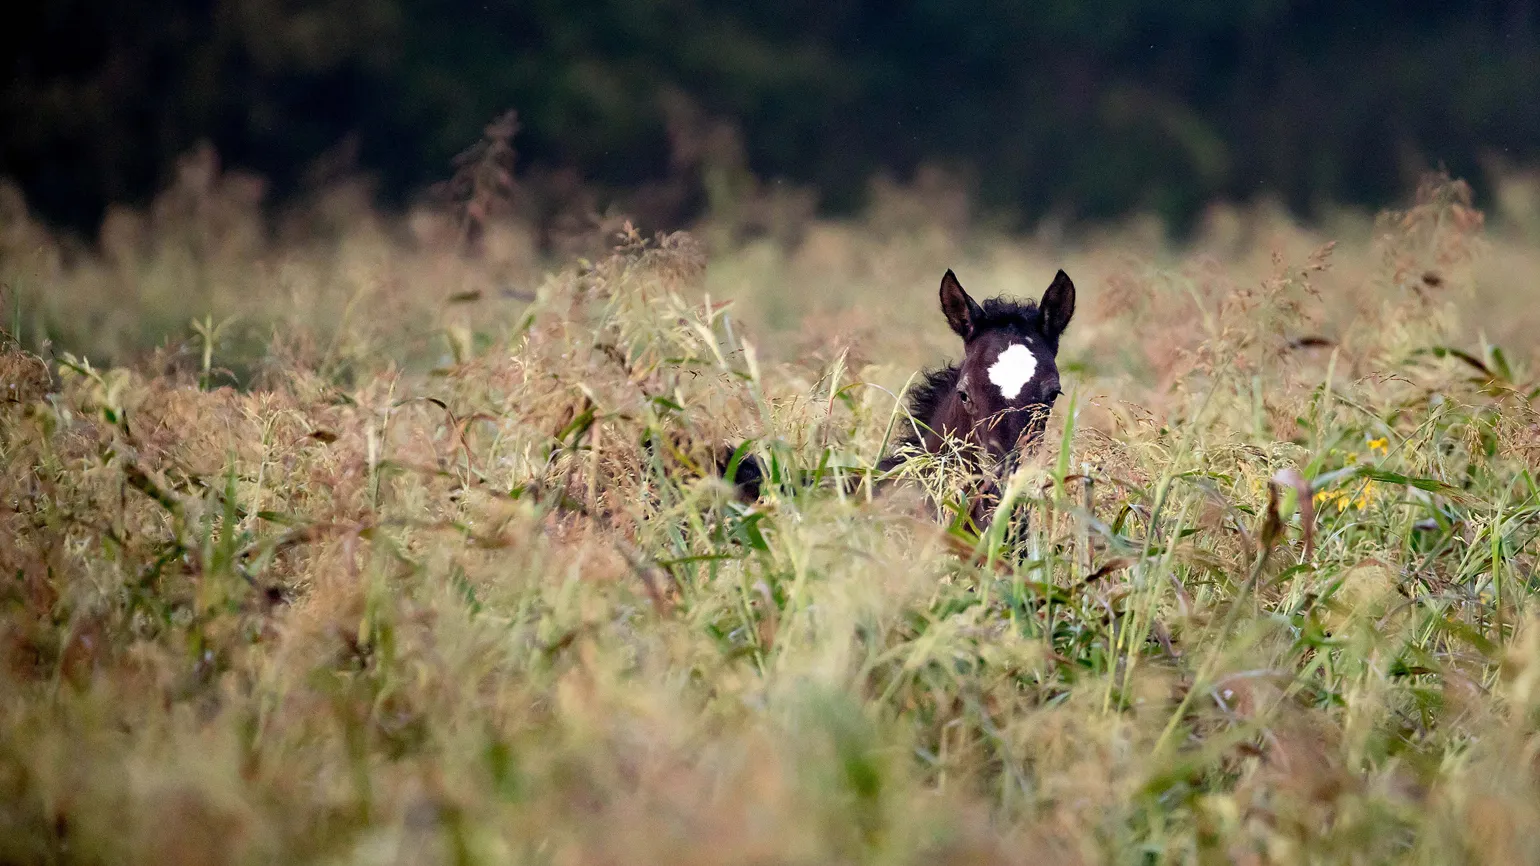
{"x": 1079, "y": 111}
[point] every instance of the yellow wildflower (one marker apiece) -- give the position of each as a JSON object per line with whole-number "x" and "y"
{"x": 1365, "y": 496}
{"x": 1344, "y": 500}
{"x": 1379, "y": 446}
{"x": 1338, "y": 498}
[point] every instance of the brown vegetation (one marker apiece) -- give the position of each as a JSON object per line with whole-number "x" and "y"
{"x": 397, "y": 553}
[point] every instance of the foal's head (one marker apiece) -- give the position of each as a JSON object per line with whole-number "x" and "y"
{"x": 997, "y": 398}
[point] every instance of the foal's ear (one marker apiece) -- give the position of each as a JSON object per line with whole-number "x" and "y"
{"x": 962, "y": 312}
{"x": 1057, "y": 306}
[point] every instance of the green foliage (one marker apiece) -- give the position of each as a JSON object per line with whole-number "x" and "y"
{"x": 1076, "y": 109}
{"x": 1258, "y": 601}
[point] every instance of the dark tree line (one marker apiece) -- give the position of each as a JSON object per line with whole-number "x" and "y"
{"x": 1091, "y": 108}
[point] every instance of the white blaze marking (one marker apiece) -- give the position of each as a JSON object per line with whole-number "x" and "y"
{"x": 1012, "y": 370}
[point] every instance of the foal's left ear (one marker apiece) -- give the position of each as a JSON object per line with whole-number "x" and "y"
{"x": 962, "y": 312}
{"x": 1057, "y": 306}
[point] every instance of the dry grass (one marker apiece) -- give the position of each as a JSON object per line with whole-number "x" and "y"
{"x": 442, "y": 580}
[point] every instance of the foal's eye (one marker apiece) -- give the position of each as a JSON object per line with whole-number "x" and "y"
{"x": 963, "y": 396}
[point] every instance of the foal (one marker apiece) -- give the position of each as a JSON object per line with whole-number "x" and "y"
{"x": 995, "y": 401}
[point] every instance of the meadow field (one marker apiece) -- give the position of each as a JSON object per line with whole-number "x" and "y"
{"x": 340, "y": 536}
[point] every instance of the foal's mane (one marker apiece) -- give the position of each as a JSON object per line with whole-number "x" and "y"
{"x": 936, "y": 383}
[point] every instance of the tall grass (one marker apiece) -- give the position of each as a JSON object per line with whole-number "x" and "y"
{"x": 448, "y": 578}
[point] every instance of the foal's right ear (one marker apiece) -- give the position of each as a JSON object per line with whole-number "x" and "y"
{"x": 962, "y": 312}
{"x": 1057, "y": 306}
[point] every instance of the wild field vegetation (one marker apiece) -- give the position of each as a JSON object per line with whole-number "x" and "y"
{"x": 404, "y": 547}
